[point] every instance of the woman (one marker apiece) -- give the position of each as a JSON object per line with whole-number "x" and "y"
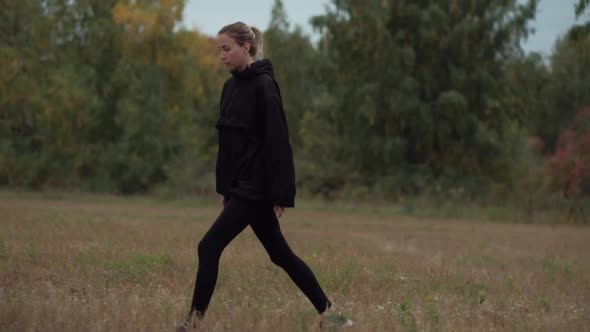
{"x": 254, "y": 175}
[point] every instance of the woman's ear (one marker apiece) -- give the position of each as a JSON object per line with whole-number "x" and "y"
{"x": 247, "y": 47}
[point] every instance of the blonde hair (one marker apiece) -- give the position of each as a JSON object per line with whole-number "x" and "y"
{"x": 243, "y": 33}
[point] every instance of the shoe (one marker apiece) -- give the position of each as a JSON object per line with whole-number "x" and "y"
{"x": 185, "y": 327}
{"x": 191, "y": 323}
{"x": 333, "y": 320}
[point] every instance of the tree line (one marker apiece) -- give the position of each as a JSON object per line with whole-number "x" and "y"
{"x": 396, "y": 98}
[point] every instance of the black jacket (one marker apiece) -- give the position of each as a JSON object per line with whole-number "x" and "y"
{"x": 255, "y": 159}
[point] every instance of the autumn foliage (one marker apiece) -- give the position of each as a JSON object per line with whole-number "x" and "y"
{"x": 569, "y": 166}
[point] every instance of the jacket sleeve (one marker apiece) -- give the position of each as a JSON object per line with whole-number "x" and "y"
{"x": 280, "y": 171}
{"x": 223, "y": 91}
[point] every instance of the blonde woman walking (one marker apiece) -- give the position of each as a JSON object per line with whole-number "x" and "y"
{"x": 254, "y": 174}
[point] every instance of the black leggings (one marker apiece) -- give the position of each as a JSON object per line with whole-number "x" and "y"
{"x": 237, "y": 214}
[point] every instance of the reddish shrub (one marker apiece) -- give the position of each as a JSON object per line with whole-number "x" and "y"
{"x": 569, "y": 166}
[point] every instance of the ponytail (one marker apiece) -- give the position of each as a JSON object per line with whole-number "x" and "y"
{"x": 257, "y": 47}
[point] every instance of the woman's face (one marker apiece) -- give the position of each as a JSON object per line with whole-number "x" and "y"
{"x": 231, "y": 54}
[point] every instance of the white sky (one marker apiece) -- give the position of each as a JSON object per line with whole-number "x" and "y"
{"x": 553, "y": 19}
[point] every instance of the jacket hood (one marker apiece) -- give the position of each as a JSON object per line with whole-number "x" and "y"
{"x": 259, "y": 67}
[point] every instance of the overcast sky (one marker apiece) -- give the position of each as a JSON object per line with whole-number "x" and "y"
{"x": 553, "y": 19}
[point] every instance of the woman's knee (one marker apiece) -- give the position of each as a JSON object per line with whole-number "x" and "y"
{"x": 207, "y": 248}
{"x": 284, "y": 260}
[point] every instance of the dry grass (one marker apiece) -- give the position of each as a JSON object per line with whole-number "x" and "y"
{"x": 113, "y": 264}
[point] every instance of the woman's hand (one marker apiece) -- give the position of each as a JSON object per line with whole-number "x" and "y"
{"x": 279, "y": 210}
{"x": 222, "y": 200}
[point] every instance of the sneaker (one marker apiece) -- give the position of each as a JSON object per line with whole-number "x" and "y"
{"x": 333, "y": 320}
{"x": 185, "y": 327}
{"x": 191, "y": 323}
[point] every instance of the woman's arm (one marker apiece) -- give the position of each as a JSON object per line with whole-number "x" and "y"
{"x": 280, "y": 172}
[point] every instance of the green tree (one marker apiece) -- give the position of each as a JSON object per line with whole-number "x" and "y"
{"x": 422, "y": 91}
{"x": 582, "y": 30}
{"x": 111, "y": 95}
{"x": 167, "y": 81}
{"x": 581, "y": 7}
{"x": 25, "y": 59}
{"x": 294, "y": 60}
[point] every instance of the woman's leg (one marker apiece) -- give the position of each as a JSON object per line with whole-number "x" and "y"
{"x": 231, "y": 222}
{"x": 267, "y": 229}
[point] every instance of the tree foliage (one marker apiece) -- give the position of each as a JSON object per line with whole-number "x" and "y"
{"x": 581, "y": 7}
{"x": 428, "y": 102}
{"x": 106, "y": 93}
{"x": 397, "y": 97}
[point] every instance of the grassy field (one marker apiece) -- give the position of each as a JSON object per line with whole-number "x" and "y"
{"x": 104, "y": 263}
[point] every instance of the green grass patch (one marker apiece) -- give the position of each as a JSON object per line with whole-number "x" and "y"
{"x": 406, "y": 318}
{"x": 31, "y": 254}
{"x": 344, "y": 276}
{"x": 553, "y": 267}
{"x": 88, "y": 258}
{"x": 432, "y": 310}
{"x": 479, "y": 260}
{"x": 3, "y": 249}
{"x": 476, "y": 293}
{"x": 544, "y": 304}
{"x": 138, "y": 265}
